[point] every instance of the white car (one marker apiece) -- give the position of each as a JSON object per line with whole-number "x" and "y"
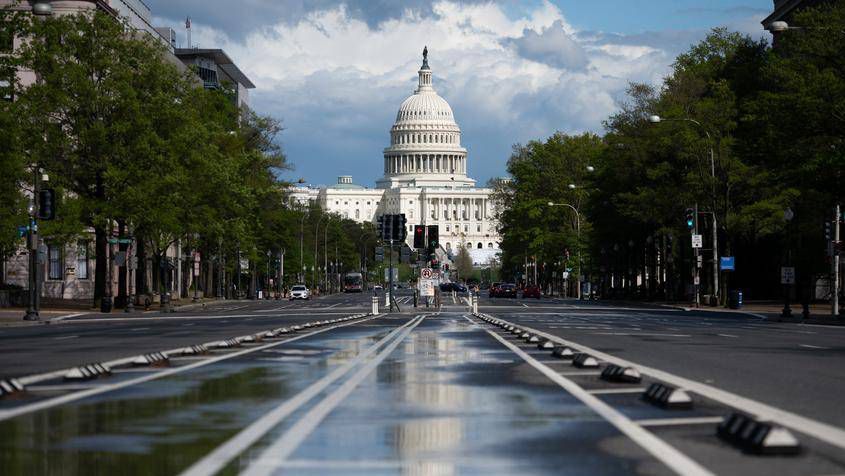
{"x": 300, "y": 291}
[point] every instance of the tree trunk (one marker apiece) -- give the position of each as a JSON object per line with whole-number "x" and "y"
{"x": 100, "y": 243}
{"x": 122, "y": 270}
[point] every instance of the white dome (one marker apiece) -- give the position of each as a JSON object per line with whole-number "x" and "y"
{"x": 425, "y": 106}
{"x": 425, "y": 141}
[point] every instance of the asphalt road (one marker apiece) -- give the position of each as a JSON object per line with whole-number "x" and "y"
{"x": 419, "y": 392}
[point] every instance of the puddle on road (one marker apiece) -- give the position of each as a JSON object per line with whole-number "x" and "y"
{"x": 163, "y": 426}
{"x": 450, "y": 400}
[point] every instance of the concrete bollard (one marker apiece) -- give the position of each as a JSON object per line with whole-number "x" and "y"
{"x": 375, "y": 305}
{"x": 475, "y": 304}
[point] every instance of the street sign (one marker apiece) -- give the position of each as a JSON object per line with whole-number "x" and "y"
{"x": 395, "y": 274}
{"x": 727, "y": 263}
{"x": 120, "y": 258}
{"x": 565, "y": 275}
{"x": 787, "y": 275}
{"x": 426, "y": 273}
{"x": 426, "y": 287}
{"x": 697, "y": 241}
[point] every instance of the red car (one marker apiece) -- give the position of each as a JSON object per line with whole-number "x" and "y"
{"x": 531, "y": 292}
{"x": 494, "y": 290}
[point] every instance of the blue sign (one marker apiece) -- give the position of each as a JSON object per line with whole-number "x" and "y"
{"x": 726, "y": 263}
{"x": 22, "y": 229}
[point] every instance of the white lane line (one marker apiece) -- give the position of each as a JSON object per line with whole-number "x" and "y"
{"x": 524, "y": 305}
{"x": 656, "y": 334}
{"x": 305, "y": 312}
{"x": 65, "y": 337}
{"x": 140, "y": 329}
{"x": 728, "y": 335}
{"x": 613, "y": 391}
{"x": 63, "y": 399}
{"x": 333, "y": 305}
{"x": 223, "y": 454}
{"x": 827, "y": 433}
{"x": 662, "y": 451}
{"x": 680, "y": 421}
{"x": 67, "y": 316}
{"x": 808, "y": 346}
{"x": 275, "y": 455}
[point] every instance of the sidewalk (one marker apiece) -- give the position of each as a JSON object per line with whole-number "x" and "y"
{"x": 771, "y": 311}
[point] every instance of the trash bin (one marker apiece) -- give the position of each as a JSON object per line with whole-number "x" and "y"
{"x": 735, "y": 299}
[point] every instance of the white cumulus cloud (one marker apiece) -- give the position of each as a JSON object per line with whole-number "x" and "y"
{"x": 336, "y": 81}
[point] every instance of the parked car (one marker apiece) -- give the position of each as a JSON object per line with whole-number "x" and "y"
{"x": 494, "y": 290}
{"x": 532, "y": 291}
{"x": 377, "y": 287}
{"x": 459, "y": 287}
{"x": 300, "y": 291}
{"x": 507, "y": 291}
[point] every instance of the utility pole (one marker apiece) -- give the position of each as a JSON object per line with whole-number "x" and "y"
{"x": 835, "y": 260}
{"x": 696, "y": 270}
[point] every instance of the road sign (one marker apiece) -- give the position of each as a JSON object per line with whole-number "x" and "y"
{"x": 120, "y": 258}
{"x": 426, "y": 273}
{"x": 565, "y": 275}
{"x": 787, "y": 275}
{"x": 697, "y": 241}
{"x": 426, "y": 287}
{"x": 22, "y": 229}
{"x": 727, "y": 263}
{"x": 395, "y": 274}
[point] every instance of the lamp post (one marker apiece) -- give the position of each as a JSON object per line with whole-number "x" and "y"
{"x": 788, "y": 215}
{"x": 316, "y": 256}
{"x": 578, "y": 236}
{"x": 655, "y": 119}
{"x": 301, "y": 242}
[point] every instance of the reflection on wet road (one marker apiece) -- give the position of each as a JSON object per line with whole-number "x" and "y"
{"x": 426, "y": 395}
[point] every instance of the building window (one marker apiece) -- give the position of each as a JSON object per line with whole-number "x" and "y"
{"x": 54, "y": 262}
{"x": 478, "y": 228}
{"x": 82, "y": 260}
{"x": 490, "y": 245}
{"x": 480, "y": 246}
{"x": 448, "y": 246}
{"x": 7, "y": 41}
{"x": 447, "y": 227}
{"x": 466, "y": 228}
{"x": 469, "y": 246}
{"x": 357, "y": 214}
{"x": 7, "y": 90}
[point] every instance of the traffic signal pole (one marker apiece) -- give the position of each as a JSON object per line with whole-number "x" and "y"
{"x": 835, "y": 260}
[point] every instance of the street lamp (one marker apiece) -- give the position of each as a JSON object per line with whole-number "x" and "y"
{"x": 316, "y": 243}
{"x": 655, "y": 119}
{"x": 578, "y": 236}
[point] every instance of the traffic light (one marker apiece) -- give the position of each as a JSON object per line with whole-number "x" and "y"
{"x": 380, "y": 226}
{"x": 399, "y": 230}
{"x": 689, "y": 214}
{"x": 433, "y": 238}
{"x": 419, "y": 237}
{"x": 388, "y": 227}
{"x": 827, "y": 231}
{"x": 46, "y": 204}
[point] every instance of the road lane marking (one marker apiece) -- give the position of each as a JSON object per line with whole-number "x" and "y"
{"x": 65, "y": 337}
{"x": 659, "y": 449}
{"x": 67, "y": 316}
{"x": 822, "y": 431}
{"x": 140, "y": 329}
{"x": 63, "y": 399}
{"x": 613, "y": 391}
{"x": 223, "y": 454}
{"x": 680, "y": 421}
{"x": 808, "y": 346}
{"x": 728, "y": 335}
{"x": 275, "y": 454}
{"x": 656, "y": 334}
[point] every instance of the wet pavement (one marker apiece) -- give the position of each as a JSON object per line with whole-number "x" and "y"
{"x": 403, "y": 394}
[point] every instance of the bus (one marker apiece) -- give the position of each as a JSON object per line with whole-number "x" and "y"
{"x": 353, "y": 283}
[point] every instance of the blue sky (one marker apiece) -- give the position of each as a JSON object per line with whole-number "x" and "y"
{"x": 336, "y": 72}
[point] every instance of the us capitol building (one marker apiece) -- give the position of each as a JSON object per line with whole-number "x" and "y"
{"x": 425, "y": 177}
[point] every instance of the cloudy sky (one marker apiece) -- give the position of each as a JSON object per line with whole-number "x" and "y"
{"x": 335, "y": 72}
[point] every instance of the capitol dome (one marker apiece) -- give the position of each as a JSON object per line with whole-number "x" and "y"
{"x": 425, "y": 141}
